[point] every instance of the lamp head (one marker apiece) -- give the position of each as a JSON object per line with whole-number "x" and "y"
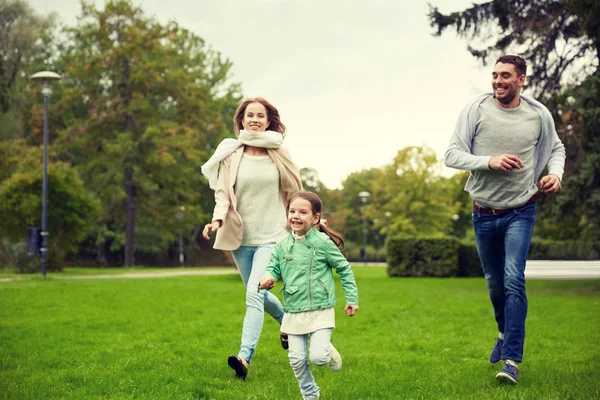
{"x": 46, "y": 76}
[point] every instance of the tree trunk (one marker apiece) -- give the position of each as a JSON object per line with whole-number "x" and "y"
{"x": 128, "y": 175}
{"x": 130, "y": 217}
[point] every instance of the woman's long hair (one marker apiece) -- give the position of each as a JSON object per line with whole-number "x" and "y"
{"x": 275, "y": 123}
{"x": 316, "y": 205}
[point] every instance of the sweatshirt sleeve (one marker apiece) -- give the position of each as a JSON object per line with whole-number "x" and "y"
{"x": 459, "y": 154}
{"x": 556, "y": 162}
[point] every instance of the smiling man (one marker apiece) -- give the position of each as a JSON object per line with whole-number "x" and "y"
{"x": 506, "y": 140}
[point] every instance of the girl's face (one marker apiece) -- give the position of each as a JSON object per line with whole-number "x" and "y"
{"x": 301, "y": 217}
{"x": 255, "y": 118}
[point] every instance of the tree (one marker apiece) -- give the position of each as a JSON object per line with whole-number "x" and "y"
{"x": 584, "y": 185}
{"x": 71, "y": 209}
{"x": 560, "y": 39}
{"x": 312, "y": 182}
{"x": 411, "y": 189}
{"x": 23, "y": 44}
{"x": 141, "y": 110}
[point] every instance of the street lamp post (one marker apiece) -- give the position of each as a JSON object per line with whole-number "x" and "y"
{"x": 179, "y": 217}
{"x": 455, "y": 219}
{"x": 46, "y": 77}
{"x": 387, "y": 214}
{"x": 364, "y": 197}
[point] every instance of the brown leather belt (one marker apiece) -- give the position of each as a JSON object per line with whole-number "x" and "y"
{"x": 495, "y": 211}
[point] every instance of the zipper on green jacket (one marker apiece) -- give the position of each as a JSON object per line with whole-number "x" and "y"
{"x": 312, "y": 256}
{"x": 324, "y": 288}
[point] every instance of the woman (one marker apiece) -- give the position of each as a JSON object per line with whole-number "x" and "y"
{"x": 253, "y": 179}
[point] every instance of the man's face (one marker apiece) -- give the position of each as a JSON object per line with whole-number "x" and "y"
{"x": 506, "y": 83}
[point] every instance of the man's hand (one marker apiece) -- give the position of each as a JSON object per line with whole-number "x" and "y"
{"x": 210, "y": 228}
{"x": 505, "y": 162}
{"x": 350, "y": 310}
{"x": 550, "y": 184}
{"x": 267, "y": 283}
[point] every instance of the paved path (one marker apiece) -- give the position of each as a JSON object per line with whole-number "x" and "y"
{"x": 539, "y": 269}
{"x": 155, "y": 274}
{"x": 536, "y": 269}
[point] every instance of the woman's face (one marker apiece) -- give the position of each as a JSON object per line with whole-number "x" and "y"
{"x": 255, "y": 118}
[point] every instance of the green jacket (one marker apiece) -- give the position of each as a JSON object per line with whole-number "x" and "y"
{"x": 305, "y": 266}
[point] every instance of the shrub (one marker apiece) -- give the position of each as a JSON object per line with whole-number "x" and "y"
{"x": 71, "y": 209}
{"x": 352, "y": 253}
{"x": 468, "y": 259}
{"x": 470, "y": 265}
{"x": 422, "y": 256}
{"x": 563, "y": 250}
{"x": 15, "y": 256}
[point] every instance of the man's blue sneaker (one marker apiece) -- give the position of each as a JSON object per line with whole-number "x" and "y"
{"x": 509, "y": 374}
{"x": 496, "y": 354}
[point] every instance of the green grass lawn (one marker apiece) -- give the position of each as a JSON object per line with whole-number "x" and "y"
{"x": 169, "y": 338}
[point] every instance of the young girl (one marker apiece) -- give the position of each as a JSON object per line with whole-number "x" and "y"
{"x": 304, "y": 261}
{"x": 254, "y": 179}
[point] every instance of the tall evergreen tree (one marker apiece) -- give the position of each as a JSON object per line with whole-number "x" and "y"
{"x": 560, "y": 39}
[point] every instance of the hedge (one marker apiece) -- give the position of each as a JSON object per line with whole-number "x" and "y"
{"x": 451, "y": 257}
{"x": 422, "y": 256}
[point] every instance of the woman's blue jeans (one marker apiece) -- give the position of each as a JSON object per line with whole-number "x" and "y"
{"x": 252, "y": 261}
{"x": 503, "y": 245}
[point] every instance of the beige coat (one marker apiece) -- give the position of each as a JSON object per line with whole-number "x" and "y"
{"x": 229, "y": 235}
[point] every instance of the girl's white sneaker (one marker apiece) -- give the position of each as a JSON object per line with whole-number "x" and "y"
{"x": 336, "y": 359}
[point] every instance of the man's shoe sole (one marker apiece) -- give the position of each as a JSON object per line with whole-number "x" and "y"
{"x": 505, "y": 378}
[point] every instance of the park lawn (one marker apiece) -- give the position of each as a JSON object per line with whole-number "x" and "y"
{"x": 169, "y": 338}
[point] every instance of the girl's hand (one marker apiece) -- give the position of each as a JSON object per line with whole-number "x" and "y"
{"x": 210, "y": 228}
{"x": 267, "y": 283}
{"x": 350, "y": 310}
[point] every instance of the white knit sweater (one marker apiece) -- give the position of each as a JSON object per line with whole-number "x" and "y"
{"x": 259, "y": 202}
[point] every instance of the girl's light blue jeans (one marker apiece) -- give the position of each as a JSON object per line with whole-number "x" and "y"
{"x": 252, "y": 261}
{"x": 320, "y": 354}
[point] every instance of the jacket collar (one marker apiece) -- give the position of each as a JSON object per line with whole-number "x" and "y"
{"x": 308, "y": 236}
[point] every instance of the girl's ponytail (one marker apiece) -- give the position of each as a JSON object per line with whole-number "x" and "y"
{"x": 333, "y": 235}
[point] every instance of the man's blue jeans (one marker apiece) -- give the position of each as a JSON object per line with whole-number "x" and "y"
{"x": 503, "y": 245}
{"x": 252, "y": 261}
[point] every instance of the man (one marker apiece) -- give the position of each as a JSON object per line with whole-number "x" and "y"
{"x": 506, "y": 140}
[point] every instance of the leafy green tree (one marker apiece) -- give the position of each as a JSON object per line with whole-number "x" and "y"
{"x": 354, "y": 213}
{"x": 24, "y": 37}
{"x": 71, "y": 209}
{"x": 415, "y": 194}
{"x": 141, "y": 109}
{"x": 579, "y": 202}
{"x": 312, "y": 182}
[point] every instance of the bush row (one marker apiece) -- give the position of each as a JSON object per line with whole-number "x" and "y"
{"x": 444, "y": 257}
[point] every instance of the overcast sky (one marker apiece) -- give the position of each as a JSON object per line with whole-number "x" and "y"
{"x": 354, "y": 81}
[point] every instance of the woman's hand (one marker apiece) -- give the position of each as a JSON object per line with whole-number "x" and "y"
{"x": 210, "y": 228}
{"x": 267, "y": 283}
{"x": 350, "y": 310}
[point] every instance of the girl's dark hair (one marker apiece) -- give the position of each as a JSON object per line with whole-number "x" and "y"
{"x": 273, "y": 117}
{"x": 316, "y": 205}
